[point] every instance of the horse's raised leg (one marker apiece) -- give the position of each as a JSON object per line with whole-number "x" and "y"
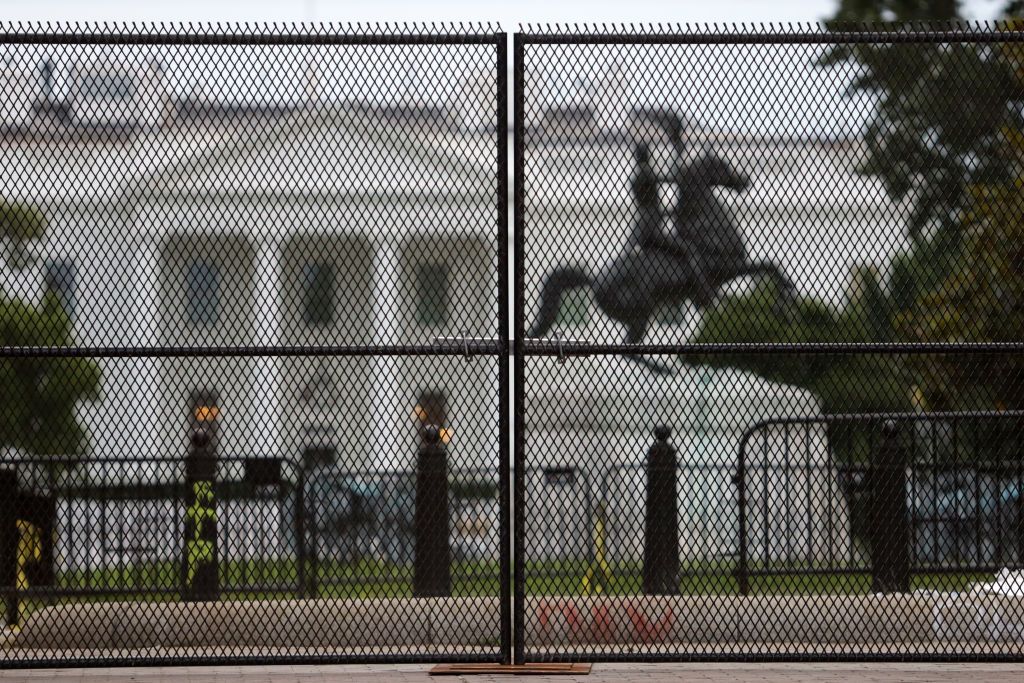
{"x": 636, "y": 330}
{"x": 555, "y": 284}
{"x": 704, "y": 290}
{"x": 785, "y": 299}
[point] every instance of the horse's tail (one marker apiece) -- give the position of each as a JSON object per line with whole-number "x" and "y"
{"x": 555, "y": 284}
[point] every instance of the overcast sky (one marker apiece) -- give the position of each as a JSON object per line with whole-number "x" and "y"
{"x": 508, "y": 13}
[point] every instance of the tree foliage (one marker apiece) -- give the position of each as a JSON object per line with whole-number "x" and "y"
{"x": 39, "y": 396}
{"x": 842, "y": 382}
{"x": 946, "y": 137}
{"x": 981, "y": 299}
{"x": 940, "y": 108}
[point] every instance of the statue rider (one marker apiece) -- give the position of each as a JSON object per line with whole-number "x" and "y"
{"x": 648, "y": 232}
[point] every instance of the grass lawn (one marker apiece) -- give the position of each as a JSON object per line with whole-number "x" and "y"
{"x": 254, "y": 580}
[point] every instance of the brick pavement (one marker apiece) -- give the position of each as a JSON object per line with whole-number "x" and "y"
{"x": 602, "y": 673}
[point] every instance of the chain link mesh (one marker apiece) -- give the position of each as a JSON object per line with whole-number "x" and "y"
{"x": 228, "y": 430}
{"x": 769, "y": 300}
{"x": 254, "y": 334}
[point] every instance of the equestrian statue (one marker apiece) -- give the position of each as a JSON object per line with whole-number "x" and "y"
{"x": 701, "y": 253}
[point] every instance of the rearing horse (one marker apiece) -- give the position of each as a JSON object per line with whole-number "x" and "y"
{"x": 630, "y": 287}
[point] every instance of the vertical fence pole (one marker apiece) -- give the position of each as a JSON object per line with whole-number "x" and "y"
{"x": 889, "y": 527}
{"x": 301, "y": 551}
{"x": 661, "y": 518}
{"x": 200, "y": 560}
{"x": 740, "y": 479}
{"x": 432, "y": 561}
{"x": 519, "y": 402}
{"x": 1018, "y": 522}
{"x": 504, "y": 464}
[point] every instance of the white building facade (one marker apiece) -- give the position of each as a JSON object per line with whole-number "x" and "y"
{"x": 177, "y": 224}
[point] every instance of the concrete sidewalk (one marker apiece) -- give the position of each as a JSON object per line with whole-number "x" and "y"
{"x": 602, "y": 673}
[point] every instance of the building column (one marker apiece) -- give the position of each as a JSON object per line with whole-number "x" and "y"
{"x": 387, "y": 330}
{"x": 140, "y": 377}
{"x": 267, "y": 395}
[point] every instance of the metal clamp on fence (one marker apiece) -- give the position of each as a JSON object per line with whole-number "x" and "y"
{"x": 471, "y": 346}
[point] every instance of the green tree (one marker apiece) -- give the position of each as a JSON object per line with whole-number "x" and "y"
{"x": 981, "y": 299}
{"x": 939, "y": 109}
{"x": 38, "y": 396}
{"x": 946, "y": 135}
{"x": 862, "y": 383}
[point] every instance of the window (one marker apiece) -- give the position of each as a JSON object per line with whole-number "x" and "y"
{"x": 108, "y": 86}
{"x": 574, "y": 310}
{"x": 318, "y": 294}
{"x": 60, "y": 279}
{"x": 320, "y": 390}
{"x": 319, "y": 456}
{"x": 432, "y": 286}
{"x": 202, "y": 296}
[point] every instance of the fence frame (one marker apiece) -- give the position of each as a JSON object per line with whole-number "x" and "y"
{"x": 743, "y": 570}
{"x": 770, "y": 34}
{"x": 314, "y": 35}
{"x": 511, "y": 429}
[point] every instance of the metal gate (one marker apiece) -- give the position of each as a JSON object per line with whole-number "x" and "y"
{"x": 764, "y": 394}
{"x": 768, "y": 343}
{"x": 232, "y": 428}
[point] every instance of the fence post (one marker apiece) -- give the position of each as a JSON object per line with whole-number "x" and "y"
{"x": 661, "y": 518}
{"x": 889, "y": 525}
{"x": 9, "y": 544}
{"x": 432, "y": 562}
{"x": 200, "y": 557}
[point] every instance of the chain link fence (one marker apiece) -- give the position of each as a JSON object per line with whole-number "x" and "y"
{"x": 769, "y": 345}
{"x": 229, "y": 252}
{"x": 281, "y": 380}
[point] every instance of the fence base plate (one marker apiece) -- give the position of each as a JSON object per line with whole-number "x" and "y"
{"x": 510, "y": 669}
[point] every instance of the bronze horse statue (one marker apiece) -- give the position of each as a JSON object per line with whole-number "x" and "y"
{"x": 703, "y": 253}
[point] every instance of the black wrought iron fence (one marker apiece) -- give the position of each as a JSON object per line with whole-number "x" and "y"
{"x": 120, "y": 529}
{"x": 935, "y": 494}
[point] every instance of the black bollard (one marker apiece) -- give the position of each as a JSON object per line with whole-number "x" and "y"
{"x": 201, "y": 580}
{"x": 1018, "y": 527}
{"x": 889, "y": 526}
{"x": 432, "y": 563}
{"x": 661, "y": 519}
{"x": 9, "y": 544}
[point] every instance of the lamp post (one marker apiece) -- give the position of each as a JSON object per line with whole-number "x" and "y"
{"x": 200, "y": 561}
{"x": 432, "y": 562}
